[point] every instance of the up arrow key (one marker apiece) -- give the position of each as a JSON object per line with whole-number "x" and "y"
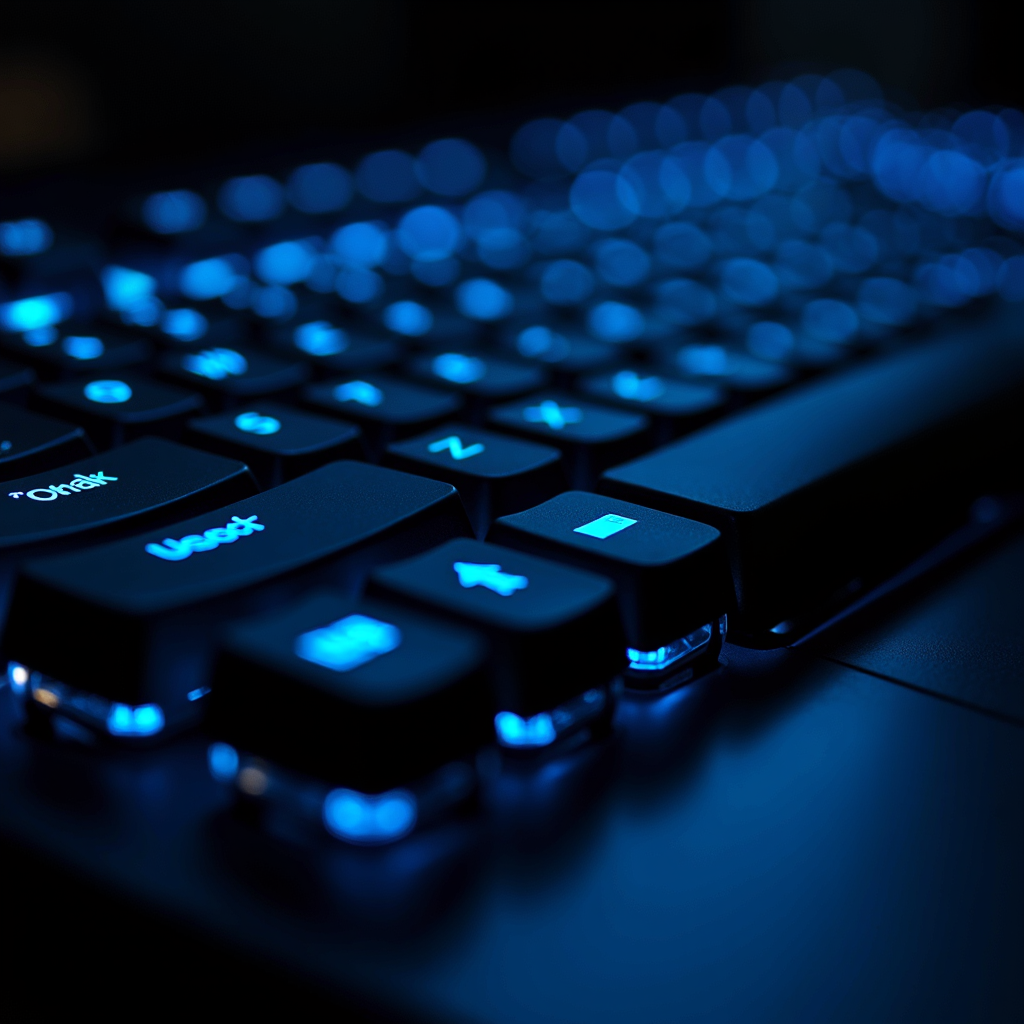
{"x": 472, "y": 574}
{"x": 454, "y": 445}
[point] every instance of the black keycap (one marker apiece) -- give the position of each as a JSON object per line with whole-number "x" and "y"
{"x": 152, "y": 603}
{"x": 278, "y": 443}
{"x": 362, "y": 694}
{"x": 483, "y": 379}
{"x": 228, "y": 376}
{"x": 592, "y": 437}
{"x": 828, "y": 488}
{"x": 30, "y": 443}
{"x": 331, "y": 350}
{"x": 675, "y": 406}
{"x": 671, "y": 574}
{"x": 566, "y": 355}
{"x": 15, "y": 381}
{"x": 495, "y": 475}
{"x": 73, "y": 353}
{"x": 387, "y": 409}
{"x": 118, "y": 409}
{"x": 555, "y": 630}
{"x": 131, "y": 485}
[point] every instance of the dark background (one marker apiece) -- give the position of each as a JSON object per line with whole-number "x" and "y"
{"x": 172, "y": 80}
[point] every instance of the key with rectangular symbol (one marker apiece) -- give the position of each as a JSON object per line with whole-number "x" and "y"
{"x": 495, "y": 474}
{"x": 671, "y": 575}
{"x": 556, "y": 637}
{"x": 152, "y": 603}
{"x": 276, "y": 441}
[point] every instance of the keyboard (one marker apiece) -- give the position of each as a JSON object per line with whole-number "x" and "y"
{"x": 577, "y": 580}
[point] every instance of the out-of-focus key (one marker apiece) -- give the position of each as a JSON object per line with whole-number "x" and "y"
{"x": 228, "y": 376}
{"x": 592, "y": 437}
{"x": 61, "y": 354}
{"x": 495, "y": 475}
{"x": 30, "y": 443}
{"x": 277, "y": 442}
{"x": 825, "y": 490}
{"x": 366, "y": 696}
{"x": 15, "y": 381}
{"x": 671, "y": 575}
{"x": 386, "y": 408}
{"x": 151, "y": 604}
{"x": 556, "y": 637}
{"x": 118, "y": 409}
{"x": 331, "y": 350}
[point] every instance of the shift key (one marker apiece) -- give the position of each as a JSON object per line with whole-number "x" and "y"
{"x": 147, "y": 609}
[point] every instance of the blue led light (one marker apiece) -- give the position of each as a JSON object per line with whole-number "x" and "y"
{"x": 616, "y": 322}
{"x": 107, "y": 392}
{"x": 362, "y": 244}
{"x": 830, "y": 320}
{"x": 451, "y": 167}
{"x": 542, "y": 343}
{"x": 480, "y": 298}
{"x": 209, "y": 279}
{"x": 18, "y": 676}
{"x": 663, "y": 657}
{"x": 650, "y": 188}
{"x": 359, "y": 391}
{"x": 184, "y": 324}
{"x": 198, "y": 693}
{"x": 388, "y": 176}
{"x": 348, "y": 643}
{"x": 41, "y": 337}
{"x": 124, "y": 288}
{"x": 552, "y": 415}
{"x": 457, "y": 368}
{"x": 566, "y": 283}
{"x": 490, "y": 577}
{"x": 141, "y": 720}
{"x": 684, "y": 302}
{"x": 749, "y": 282}
{"x": 770, "y": 340}
{"x": 603, "y": 200}
{"x": 320, "y": 338}
{"x": 359, "y": 286}
{"x": 605, "y": 526}
{"x": 429, "y": 233}
{"x": 319, "y": 188}
{"x": 409, "y": 318}
{"x": 216, "y": 363}
{"x": 256, "y": 423}
{"x": 275, "y": 302}
{"x": 171, "y": 550}
{"x": 453, "y": 445}
{"x": 359, "y": 818}
{"x": 951, "y": 183}
{"x": 172, "y": 213}
{"x": 630, "y": 385}
{"x": 887, "y": 301}
{"x": 740, "y": 168}
{"x": 514, "y": 731}
{"x": 25, "y": 237}
{"x": 703, "y": 360}
{"x": 682, "y": 246}
{"x": 284, "y": 262}
{"x": 251, "y": 199}
{"x": 621, "y": 263}
{"x": 222, "y": 760}
{"x": 1005, "y": 201}
{"x": 79, "y": 347}
{"x": 37, "y": 312}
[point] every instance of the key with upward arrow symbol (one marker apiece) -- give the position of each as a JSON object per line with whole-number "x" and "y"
{"x": 472, "y": 574}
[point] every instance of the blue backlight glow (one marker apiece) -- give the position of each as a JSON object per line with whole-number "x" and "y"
{"x": 172, "y": 213}
{"x": 363, "y": 819}
{"x": 348, "y": 643}
{"x": 453, "y": 445}
{"x": 616, "y": 322}
{"x": 362, "y": 244}
{"x": 125, "y": 288}
{"x": 388, "y": 176}
{"x": 24, "y": 237}
{"x": 285, "y": 262}
{"x": 79, "y": 347}
{"x": 663, "y": 657}
{"x": 256, "y": 423}
{"x": 749, "y": 282}
{"x": 457, "y": 368}
{"x": 409, "y": 318}
{"x": 178, "y": 550}
{"x": 251, "y": 199}
{"x": 184, "y": 324}
{"x": 140, "y": 720}
{"x": 429, "y": 233}
{"x": 489, "y": 576}
{"x": 603, "y": 200}
{"x": 209, "y": 279}
{"x": 566, "y": 283}
{"x": 320, "y": 338}
{"x": 319, "y": 188}
{"x": 215, "y": 363}
{"x": 540, "y": 342}
{"x": 35, "y": 312}
{"x": 621, "y": 263}
{"x": 359, "y": 391}
{"x": 222, "y": 760}
{"x": 359, "y": 286}
{"x": 451, "y": 167}
{"x": 630, "y": 385}
{"x": 514, "y": 731}
{"x": 107, "y": 392}
{"x": 552, "y": 415}
{"x": 770, "y": 340}
{"x": 682, "y": 246}
{"x": 830, "y": 320}
{"x": 605, "y": 526}
{"x": 483, "y": 299}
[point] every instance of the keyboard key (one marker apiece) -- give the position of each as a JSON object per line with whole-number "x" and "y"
{"x": 675, "y": 407}
{"x": 362, "y": 694}
{"x": 15, "y": 381}
{"x": 555, "y": 630}
{"x": 58, "y": 355}
{"x": 495, "y": 474}
{"x": 131, "y": 485}
{"x": 332, "y": 350}
{"x": 30, "y": 443}
{"x": 650, "y": 555}
{"x": 228, "y": 376}
{"x": 483, "y": 379}
{"x": 387, "y": 409}
{"x": 565, "y": 355}
{"x": 591, "y": 437}
{"x": 277, "y": 442}
{"x": 118, "y": 409}
{"x": 152, "y": 603}
{"x": 827, "y": 489}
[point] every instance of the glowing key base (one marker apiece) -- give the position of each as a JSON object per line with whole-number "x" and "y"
{"x": 545, "y": 729}
{"x": 677, "y": 660}
{"x": 351, "y": 816}
{"x": 76, "y": 714}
